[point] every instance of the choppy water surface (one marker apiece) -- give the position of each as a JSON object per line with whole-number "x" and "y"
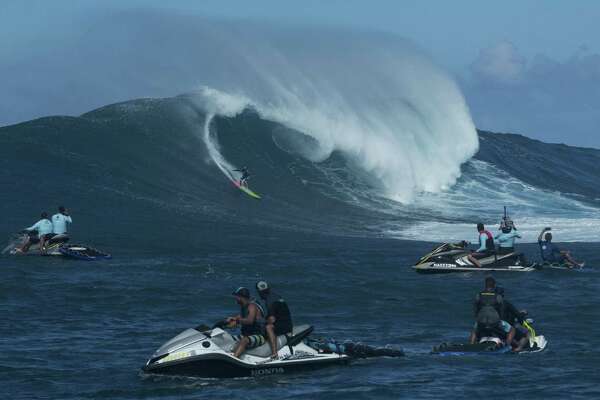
{"x": 83, "y": 330}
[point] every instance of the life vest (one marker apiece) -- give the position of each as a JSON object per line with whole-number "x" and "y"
{"x": 489, "y": 308}
{"x": 489, "y": 242}
{"x": 256, "y": 327}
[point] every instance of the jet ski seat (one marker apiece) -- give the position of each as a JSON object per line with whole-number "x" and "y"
{"x": 62, "y": 238}
{"x": 298, "y": 333}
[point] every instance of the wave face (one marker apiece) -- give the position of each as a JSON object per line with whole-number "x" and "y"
{"x": 373, "y": 97}
{"x": 146, "y": 167}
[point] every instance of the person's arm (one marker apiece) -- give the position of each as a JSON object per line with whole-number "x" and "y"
{"x": 516, "y": 234}
{"x": 34, "y": 227}
{"x": 272, "y": 312}
{"x": 482, "y": 246}
{"x": 252, "y": 311}
{"x": 234, "y": 318}
{"x": 68, "y": 218}
{"x": 541, "y": 237}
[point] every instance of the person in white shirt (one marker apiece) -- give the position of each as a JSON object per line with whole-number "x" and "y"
{"x": 60, "y": 221}
{"x": 44, "y": 231}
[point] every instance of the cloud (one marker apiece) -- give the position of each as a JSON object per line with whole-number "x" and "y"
{"x": 548, "y": 99}
{"x": 501, "y": 63}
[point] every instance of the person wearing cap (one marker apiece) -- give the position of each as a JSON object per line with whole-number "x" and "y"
{"x": 278, "y": 319}
{"x": 249, "y": 320}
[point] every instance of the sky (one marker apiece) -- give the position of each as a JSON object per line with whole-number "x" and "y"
{"x": 524, "y": 66}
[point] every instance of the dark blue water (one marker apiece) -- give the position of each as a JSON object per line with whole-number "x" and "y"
{"x": 140, "y": 185}
{"x": 76, "y": 330}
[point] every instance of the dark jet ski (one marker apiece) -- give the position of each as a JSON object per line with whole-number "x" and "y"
{"x": 487, "y": 346}
{"x": 52, "y": 246}
{"x": 56, "y": 246}
{"x": 82, "y": 252}
{"x": 559, "y": 266}
{"x": 491, "y": 345}
{"x": 453, "y": 257}
{"x": 207, "y": 353}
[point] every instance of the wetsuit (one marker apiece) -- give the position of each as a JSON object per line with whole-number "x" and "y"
{"x": 245, "y": 175}
{"x": 277, "y": 307}
{"x": 489, "y": 308}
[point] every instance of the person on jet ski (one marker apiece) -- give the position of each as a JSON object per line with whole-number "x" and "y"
{"x": 250, "y": 321}
{"x": 60, "y": 221}
{"x": 489, "y": 309}
{"x": 551, "y": 253}
{"x": 278, "y": 319}
{"x": 516, "y": 318}
{"x": 44, "y": 231}
{"x": 506, "y": 239}
{"x": 245, "y": 175}
{"x": 486, "y": 246}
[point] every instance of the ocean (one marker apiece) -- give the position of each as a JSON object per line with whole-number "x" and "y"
{"x": 336, "y": 238}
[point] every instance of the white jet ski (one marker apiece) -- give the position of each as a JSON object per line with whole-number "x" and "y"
{"x": 208, "y": 353}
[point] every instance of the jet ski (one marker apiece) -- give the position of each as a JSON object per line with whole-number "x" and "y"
{"x": 56, "y": 246}
{"x": 487, "y": 346}
{"x": 52, "y": 246}
{"x": 207, "y": 353}
{"x": 563, "y": 266}
{"x": 492, "y": 345}
{"x": 82, "y": 252}
{"x": 453, "y": 257}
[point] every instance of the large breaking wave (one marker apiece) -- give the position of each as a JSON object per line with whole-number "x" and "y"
{"x": 374, "y": 97}
{"x": 347, "y": 133}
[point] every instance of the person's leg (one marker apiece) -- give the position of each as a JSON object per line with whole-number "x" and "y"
{"x": 510, "y": 336}
{"x": 521, "y": 343}
{"x": 473, "y": 338}
{"x": 26, "y": 244}
{"x": 241, "y": 347}
{"x": 474, "y": 260}
{"x": 569, "y": 259}
{"x": 42, "y": 244}
{"x": 270, "y": 328}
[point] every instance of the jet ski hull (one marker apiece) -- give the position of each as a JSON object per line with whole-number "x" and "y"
{"x": 449, "y": 257}
{"x": 537, "y": 345}
{"x": 226, "y": 366}
{"x": 81, "y": 252}
{"x": 208, "y": 354}
{"x": 442, "y": 268}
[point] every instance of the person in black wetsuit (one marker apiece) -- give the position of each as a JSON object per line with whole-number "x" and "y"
{"x": 489, "y": 310}
{"x": 244, "y": 177}
{"x": 250, "y": 321}
{"x": 278, "y": 320}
